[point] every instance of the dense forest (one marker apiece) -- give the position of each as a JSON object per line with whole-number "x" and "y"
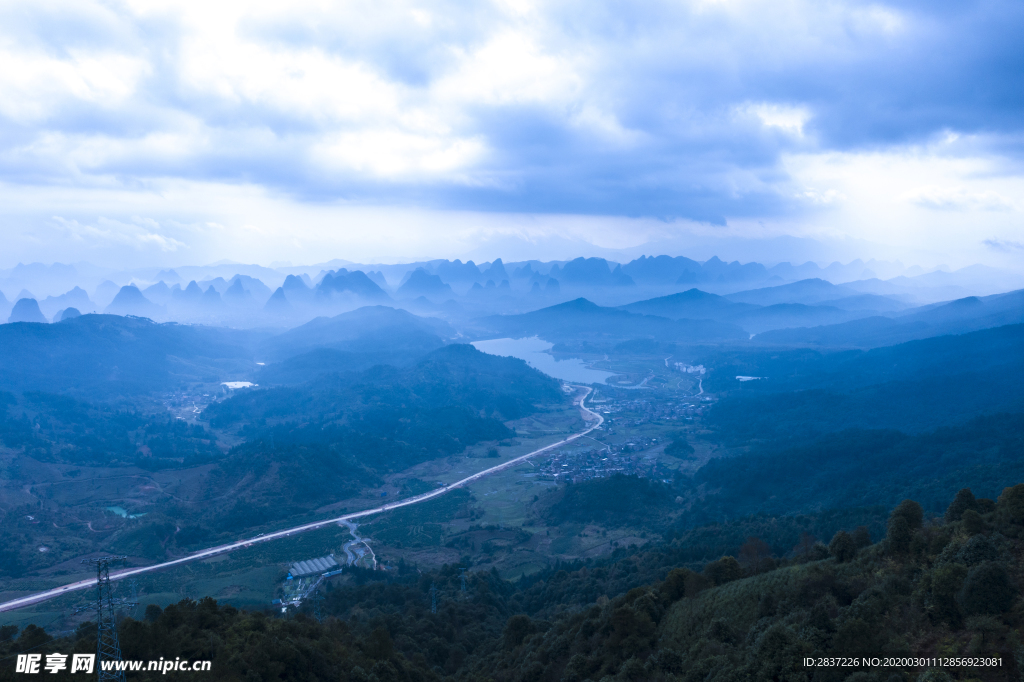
{"x": 108, "y": 356}
{"x": 764, "y": 516}
{"x": 282, "y": 451}
{"x": 915, "y": 386}
{"x": 935, "y": 586}
{"x": 57, "y": 428}
{"x": 858, "y": 467}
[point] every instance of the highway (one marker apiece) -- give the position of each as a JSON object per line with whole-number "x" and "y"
{"x": 595, "y": 421}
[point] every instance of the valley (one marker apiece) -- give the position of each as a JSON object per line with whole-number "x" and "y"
{"x": 397, "y": 451}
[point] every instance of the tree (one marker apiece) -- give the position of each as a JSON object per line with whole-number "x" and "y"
{"x": 723, "y": 571}
{"x": 679, "y": 448}
{"x": 516, "y": 630}
{"x": 945, "y": 584}
{"x": 842, "y": 547}
{"x": 806, "y": 545}
{"x": 674, "y": 587}
{"x": 1010, "y": 505}
{"x": 973, "y": 523}
{"x": 906, "y": 518}
{"x": 987, "y": 589}
{"x": 856, "y": 637}
{"x": 911, "y": 511}
{"x": 861, "y": 537}
{"x": 963, "y": 501}
{"x": 898, "y": 536}
{"x": 379, "y": 645}
{"x": 756, "y": 556}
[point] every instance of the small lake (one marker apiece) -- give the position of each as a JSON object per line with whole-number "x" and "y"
{"x": 532, "y": 351}
{"x": 120, "y": 511}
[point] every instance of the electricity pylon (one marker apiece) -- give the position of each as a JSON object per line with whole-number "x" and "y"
{"x": 107, "y": 646}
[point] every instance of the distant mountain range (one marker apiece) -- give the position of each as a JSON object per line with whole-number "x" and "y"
{"x": 955, "y": 317}
{"x": 583, "y": 319}
{"x": 122, "y": 353}
{"x": 755, "y": 298}
{"x": 816, "y": 312}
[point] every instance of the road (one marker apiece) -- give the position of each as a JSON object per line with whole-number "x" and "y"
{"x": 38, "y": 597}
{"x": 353, "y": 557}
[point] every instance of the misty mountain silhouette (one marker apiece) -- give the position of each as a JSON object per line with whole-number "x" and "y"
{"x": 278, "y": 304}
{"x": 356, "y": 282}
{"x": 496, "y": 271}
{"x": 422, "y": 283}
{"x": 591, "y": 272}
{"x": 296, "y": 290}
{"x": 457, "y": 271}
{"x": 26, "y": 310}
{"x": 956, "y": 317}
{"x": 662, "y": 270}
{"x": 130, "y": 301}
{"x": 375, "y": 330}
{"x": 581, "y": 318}
{"x": 236, "y": 294}
{"x": 158, "y": 293}
{"x": 692, "y": 303}
{"x": 76, "y": 297}
{"x": 807, "y": 291}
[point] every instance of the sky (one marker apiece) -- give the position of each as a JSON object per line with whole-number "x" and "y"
{"x": 165, "y": 133}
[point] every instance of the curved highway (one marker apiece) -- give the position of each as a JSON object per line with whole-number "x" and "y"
{"x": 38, "y": 597}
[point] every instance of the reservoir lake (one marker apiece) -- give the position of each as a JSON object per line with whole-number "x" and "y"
{"x": 532, "y": 350}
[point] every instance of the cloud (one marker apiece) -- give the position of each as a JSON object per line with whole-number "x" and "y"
{"x": 141, "y": 234}
{"x": 1003, "y": 245}
{"x": 789, "y": 119}
{"x": 958, "y": 199}
{"x": 690, "y": 110}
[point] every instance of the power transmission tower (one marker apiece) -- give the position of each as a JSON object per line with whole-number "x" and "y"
{"x": 318, "y": 599}
{"x": 462, "y": 576}
{"x": 107, "y": 646}
{"x": 433, "y": 598}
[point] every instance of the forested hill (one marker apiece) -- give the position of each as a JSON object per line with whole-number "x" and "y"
{"x": 457, "y": 375}
{"x": 915, "y": 386}
{"x": 860, "y": 467}
{"x": 943, "y": 587}
{"x": 301, "y": 448}
{"x": 354, "y": 340}
{"x": 353, "y": 429}
{"x": 108, "y": 356}
{"x": 790, "y": 369}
